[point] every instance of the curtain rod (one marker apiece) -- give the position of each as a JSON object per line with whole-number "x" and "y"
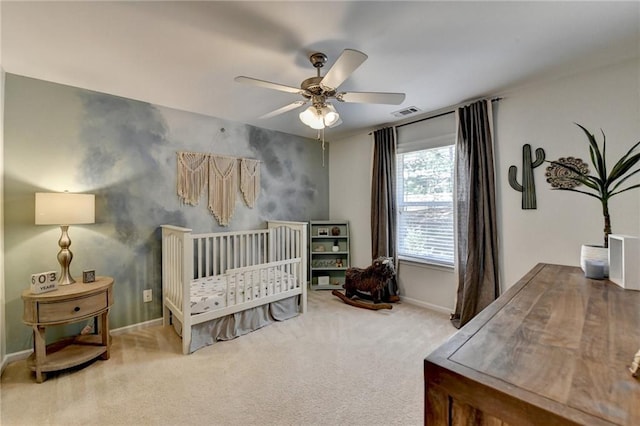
{"x": 453, "y": 110}
{"x": 426, "y": 118}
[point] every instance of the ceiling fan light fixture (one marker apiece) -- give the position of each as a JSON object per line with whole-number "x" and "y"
{"x": 312, "y": 118}
{"x": 330, "y": 114}
{"x": 320, "y": 117}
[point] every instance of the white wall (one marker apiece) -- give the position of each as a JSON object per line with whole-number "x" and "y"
{"x": 3, "y": 335}
{"x": 350, "y": 192}
{"x": 542, "y": 115}
{"x": 429, "y": 286}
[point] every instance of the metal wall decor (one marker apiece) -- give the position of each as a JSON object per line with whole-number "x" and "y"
{"x": 562, "y": 177}
{"x": 528, "y": 187}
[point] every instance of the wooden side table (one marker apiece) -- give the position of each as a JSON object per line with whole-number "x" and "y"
{"x": 68, "y": 304}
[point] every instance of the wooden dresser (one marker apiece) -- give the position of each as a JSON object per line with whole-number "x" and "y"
{"x": 68, "y": 304}
{"x": 553, "y": 350}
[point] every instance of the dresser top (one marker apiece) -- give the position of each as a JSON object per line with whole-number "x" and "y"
{"x": 556, "y": 340}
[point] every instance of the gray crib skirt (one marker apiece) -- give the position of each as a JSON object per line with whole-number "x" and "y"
{"x": 235, "y": 325}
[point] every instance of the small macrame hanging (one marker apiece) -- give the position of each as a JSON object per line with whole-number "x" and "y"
{"x": 250, "y": 181}
{"x": 223, "y": 183}
{"x": 193, "y": 175}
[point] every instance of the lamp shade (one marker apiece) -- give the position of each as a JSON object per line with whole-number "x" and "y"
{"x": 63, "y": 208}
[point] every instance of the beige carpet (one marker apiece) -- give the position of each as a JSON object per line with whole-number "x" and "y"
{"x": 335, "y": 365}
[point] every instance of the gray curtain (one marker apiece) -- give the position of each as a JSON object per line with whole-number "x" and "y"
{"x": 477, "y": 239}
{"x": 383, "y": 201}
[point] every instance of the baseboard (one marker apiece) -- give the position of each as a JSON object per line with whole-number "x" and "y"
{"x": 430, "y": 306}
{"x": 18, "y": 356}
{"x": 134, "y": 327}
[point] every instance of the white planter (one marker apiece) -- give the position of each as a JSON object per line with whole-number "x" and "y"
{"x": 593, "y": 252}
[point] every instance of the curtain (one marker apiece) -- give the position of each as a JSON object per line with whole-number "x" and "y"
{"x": 383, "y": 201}
{"x": 477, "y": 239}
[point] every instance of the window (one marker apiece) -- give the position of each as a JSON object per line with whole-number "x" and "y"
{"x": 424, "y": 183}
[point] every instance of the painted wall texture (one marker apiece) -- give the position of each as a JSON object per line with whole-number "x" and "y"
{"x": 61, "y": 138}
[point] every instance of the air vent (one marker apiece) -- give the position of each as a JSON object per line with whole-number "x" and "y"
{"x": 405, "y": 112}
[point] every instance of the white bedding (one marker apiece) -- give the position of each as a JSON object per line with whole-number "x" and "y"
{"x": 209, "y": 293}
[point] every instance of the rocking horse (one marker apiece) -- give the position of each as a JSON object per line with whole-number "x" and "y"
{"x": 371, "y": 280}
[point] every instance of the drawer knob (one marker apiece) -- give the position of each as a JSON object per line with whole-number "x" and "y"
{"x": 76, "y": 309}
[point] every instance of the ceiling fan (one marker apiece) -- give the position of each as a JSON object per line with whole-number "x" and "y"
{"x": 319, "y": 90}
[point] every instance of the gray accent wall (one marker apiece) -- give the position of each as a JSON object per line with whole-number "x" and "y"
{"x": 61, "y": 138}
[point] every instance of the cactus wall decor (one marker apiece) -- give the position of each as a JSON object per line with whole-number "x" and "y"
{"x": 528, "y": 187}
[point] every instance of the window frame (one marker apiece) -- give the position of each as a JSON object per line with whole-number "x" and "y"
{"x": 415, "y": 144}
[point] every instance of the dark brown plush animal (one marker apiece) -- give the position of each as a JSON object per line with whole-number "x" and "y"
{"x": 371, "y": 279}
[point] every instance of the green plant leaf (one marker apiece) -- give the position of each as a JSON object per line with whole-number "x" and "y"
{"x": 624, "y": 179}
{"x": 581, "y": 192}
{"x": 604, "y": 153}
{"x": 625, "y": 190}
{"x": 625, "y": 162}
{"x": 624, "y": 168}
{"x": 594, "y": 151}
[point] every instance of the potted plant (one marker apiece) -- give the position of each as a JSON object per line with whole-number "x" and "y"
{"x": 604, "y": 183}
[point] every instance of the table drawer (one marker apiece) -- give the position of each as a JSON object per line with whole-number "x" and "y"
{"x": 69, "y": 309}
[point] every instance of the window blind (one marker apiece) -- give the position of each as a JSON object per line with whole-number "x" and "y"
{"x": 425, "y": 160}
{"x": 429, "y": 133}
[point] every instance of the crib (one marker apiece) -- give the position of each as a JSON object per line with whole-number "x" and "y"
{"x": 211, "y": 276}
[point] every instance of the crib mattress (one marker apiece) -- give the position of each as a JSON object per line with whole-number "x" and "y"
{"x": 210, "y": 293}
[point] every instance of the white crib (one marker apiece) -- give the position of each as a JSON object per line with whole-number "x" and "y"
{"x": 242, "y": 270}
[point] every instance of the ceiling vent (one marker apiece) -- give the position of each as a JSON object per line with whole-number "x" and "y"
{"x": 406, "y": 112}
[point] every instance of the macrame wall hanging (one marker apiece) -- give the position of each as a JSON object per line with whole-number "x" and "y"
{"x": 223, "y": 181}
{"x": 250, "y": 181}
{"x": 193, "y": 175}
{"x": 220, "y": 174}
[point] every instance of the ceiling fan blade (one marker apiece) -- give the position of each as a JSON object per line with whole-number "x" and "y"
{"x": 284, "y": 109}
{"x": 346, "y": 63}
{"x": 267, "y": 84}
{"x": 371, "y": 97}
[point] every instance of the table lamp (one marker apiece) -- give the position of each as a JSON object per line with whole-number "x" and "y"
{"x": 64, "y": 209}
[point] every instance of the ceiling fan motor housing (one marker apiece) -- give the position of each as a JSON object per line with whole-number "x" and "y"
{"x": 312, "y": 87}
{"x": 318, "y": 59}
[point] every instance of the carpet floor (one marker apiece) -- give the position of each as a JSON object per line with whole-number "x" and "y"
{"x": 334, "y": 365}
